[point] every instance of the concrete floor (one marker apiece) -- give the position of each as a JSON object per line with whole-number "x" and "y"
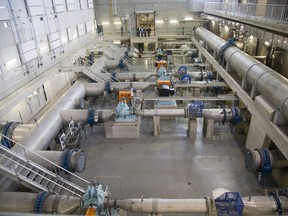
{"x": 171, "y": 165}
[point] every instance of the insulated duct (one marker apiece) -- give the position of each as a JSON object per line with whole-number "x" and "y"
{"x": 273, "y": 86}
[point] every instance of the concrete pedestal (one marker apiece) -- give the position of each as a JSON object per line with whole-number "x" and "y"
{"x": 281, "y": 177}
{"x": 156, "y": 123}
{"x": 208, "y": 127}
{"x": 192, "y": 128}
{"x": 196, "y": 92}
{"x": 122, "y": 129}
{"x": 257, "y": 137}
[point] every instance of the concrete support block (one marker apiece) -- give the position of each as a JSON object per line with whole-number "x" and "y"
{"x": 156, "y": 122}
{"x": 122, "y": 129}
{"x": 208, "y": 127}
{"x": 264, "y": 107}
{"x": 192, "y": 128}
{"x": 257, "y": 137}
{"x": 196, "y": 92}
{"x": 281, "y": 177}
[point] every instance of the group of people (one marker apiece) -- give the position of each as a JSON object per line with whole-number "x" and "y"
{"x": 143, "y": 31}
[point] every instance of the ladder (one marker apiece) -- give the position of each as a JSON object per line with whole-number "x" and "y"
{"x": 30, "y": 174}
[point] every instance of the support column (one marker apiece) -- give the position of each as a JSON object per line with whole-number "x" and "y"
{"x": 192, "y": 128}
{"x": 257, "y": 137}
{"x": 208, "y": 127}
{"x": 156, "y": 121}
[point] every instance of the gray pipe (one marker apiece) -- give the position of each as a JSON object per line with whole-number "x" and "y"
{"x": 216, "y": 114}
{"x": 163, "y": 205}
{"x": 112, "y": 64}
{"x": 128, "y": 85}
{"x": 162, "y": 112}
{"x": 135, "y": 76}
{"x": 50, "y": 123}
{"x": 76, "y": 160}
{"x": 82, "y": 115}
{"x": 20, "y": 202}
{"x": 268, "y": 82}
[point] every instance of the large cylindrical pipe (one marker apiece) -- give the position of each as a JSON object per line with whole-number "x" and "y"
{"x": 133, "y": 76}
{"x": 263, "y": 205}
{"x": 112, "y": 64}
{"x": 268, "y": 82}
{"x": 163, "y": 205}
{"x": 51, "y": 122}
{"x": 128, "y": 85}
{"x": 73, "y": 160}
{"x": 161, "y": 112}
{"x": 19, "y": 202}
{"x": 219, "y": 115}
{"x": 82, "y": 115}
{"x": 21, "y": 131}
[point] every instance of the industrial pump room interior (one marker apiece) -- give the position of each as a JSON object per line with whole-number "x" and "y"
{"x": 126, "y": 107}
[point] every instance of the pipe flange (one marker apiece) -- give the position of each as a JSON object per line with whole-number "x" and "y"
{"x": 250, "y": 160}
{"x": 208, "y": 201}
{"x": 277, "y": 202}
{"x": 39, "y": 204}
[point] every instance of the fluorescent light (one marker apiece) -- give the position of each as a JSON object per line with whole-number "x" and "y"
{"x": 1, "y": 7}
{"x": 251, "y": 37}
{"x": 11, "y": 62}
{"x": 267, "y": 43}
{"x": 159, "y": 21}
{"x": 188, "y": 18}
{"x": 116, "y": 23}
{"x": 173, "y": 21}
{"x": 117, "y": 42}
{"x": 105, "y": 23}
{"x": 43, "y": 48}
{"x": 5, "y": 24}
{"x": 64, "y": 40}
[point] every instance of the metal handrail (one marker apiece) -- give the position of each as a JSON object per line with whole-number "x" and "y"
{"x": 87, "y": 66}
{"x": 274, "y": 12}
{"x": 22, "y": 150}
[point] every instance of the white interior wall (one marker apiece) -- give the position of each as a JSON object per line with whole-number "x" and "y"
{"x": 47, "y": 18}
{"x": 31, "y": 105}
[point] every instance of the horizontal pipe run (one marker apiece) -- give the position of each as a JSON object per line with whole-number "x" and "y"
{"x": 201, "y": 98}
{"x": 133, "y": 76}
{"x": 20, "y": 202}
{"x": 163, "y": 205}
{"x": 162, "y": 112}
{"x": 82, "y": 115}
{"x": 128, "y": 85}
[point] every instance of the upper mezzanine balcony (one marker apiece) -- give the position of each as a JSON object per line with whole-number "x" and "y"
{"x": 268, "y": 16}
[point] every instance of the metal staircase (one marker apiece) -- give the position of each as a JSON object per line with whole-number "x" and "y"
{"x": 96, "y": 71}
{"x": 18, "y": 167}
{"x": 115, "y": 52}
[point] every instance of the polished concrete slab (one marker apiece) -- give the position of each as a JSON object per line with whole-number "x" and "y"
{"x": 171, "y": 165}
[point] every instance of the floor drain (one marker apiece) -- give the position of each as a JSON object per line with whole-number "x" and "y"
{"x": 189, "y": 183}
{"x": 120, "y": 148}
